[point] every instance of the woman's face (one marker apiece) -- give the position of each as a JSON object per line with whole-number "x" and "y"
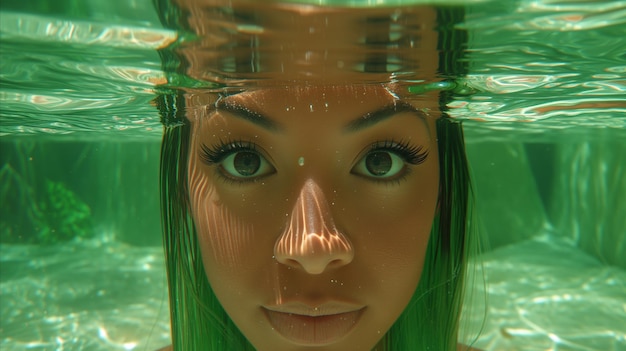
{"x": 313, "y": 208}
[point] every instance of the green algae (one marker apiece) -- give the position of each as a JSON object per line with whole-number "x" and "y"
{"x": 48, "y": 215}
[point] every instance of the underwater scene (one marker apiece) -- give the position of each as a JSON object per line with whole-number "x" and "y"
{"x": 86, "y": 88}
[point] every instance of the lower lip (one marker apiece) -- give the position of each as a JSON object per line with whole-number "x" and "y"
{"x": 309, "y": 330}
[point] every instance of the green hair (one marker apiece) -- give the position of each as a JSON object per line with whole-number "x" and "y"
{"x": 198, "y": 321}
{"x": 431, "y": 319}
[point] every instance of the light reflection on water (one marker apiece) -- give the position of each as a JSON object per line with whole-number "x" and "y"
{"x": 545, "y": 294}
{"x": 554, "y": 61}
{"x": 89, "y": 295}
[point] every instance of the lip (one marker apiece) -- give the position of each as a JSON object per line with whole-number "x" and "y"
{"x": 303, "y": 324}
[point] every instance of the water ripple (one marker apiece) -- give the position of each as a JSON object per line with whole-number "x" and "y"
{"x": 114, "y": 299}
{"x": 531, "y": 61}
{"x": 23, "y": 26}
{"x": 538, "y": 291}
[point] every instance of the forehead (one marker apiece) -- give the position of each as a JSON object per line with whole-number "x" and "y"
{"x": 330, "y": 97}
{"x": 346, "y": 106}
{"x": 340, "y": 114}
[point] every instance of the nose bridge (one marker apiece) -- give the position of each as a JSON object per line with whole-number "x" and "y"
{"x": 311, "y": 240}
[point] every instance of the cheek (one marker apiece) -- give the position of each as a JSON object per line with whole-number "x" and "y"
{"x": 397, "y": 220}
{"x": 224, "y": 238}
{"x": 394, "y": 245}
{"x": 394, "y": 225}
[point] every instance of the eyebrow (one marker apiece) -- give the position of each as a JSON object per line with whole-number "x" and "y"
{"x": 382, "y": 114}
{"x": 362, "y": 122}
{"x": 245, "y": 113}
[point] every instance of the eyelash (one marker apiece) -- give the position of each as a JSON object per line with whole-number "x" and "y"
{"x": 218, "y": 152}
{"x": 215, "y": 154}
{"x": 412, "y": 154}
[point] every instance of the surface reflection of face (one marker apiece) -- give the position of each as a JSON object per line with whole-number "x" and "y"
{"x": 313, "y": 208}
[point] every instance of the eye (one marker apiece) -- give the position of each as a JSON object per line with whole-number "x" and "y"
{"x": 245, "y": 164}
{"x": 379, "y": 164}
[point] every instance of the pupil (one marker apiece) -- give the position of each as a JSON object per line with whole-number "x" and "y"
{"x": 378, "y": 163}
{"x": 247, "y": 163}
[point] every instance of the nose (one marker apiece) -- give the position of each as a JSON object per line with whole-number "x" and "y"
{"x": 311, "y": 240}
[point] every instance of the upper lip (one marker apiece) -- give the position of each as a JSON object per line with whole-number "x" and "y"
{"x": 305, "y": 309}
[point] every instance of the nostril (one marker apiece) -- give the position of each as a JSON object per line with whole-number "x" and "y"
{"x": 314, "y": 265}
{"x": 291, "y": 263}
{"x": 343, "y": 259}
{"x": 336, "y": 263}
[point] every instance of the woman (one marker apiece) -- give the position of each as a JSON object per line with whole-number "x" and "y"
{"x": 313, "y": 202}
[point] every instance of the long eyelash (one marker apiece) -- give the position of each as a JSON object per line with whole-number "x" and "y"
{"x": 218, "y": 152}
{"x": 413, "y": 154}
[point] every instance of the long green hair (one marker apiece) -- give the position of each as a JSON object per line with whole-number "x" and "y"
{"x": 198, "y": 321}
{"x": 431, "y": 319}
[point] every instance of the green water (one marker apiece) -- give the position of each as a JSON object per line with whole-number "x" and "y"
{"x": 546, "y": 138}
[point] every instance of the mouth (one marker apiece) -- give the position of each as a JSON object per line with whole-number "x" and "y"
{"x": 306, "y": 325}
